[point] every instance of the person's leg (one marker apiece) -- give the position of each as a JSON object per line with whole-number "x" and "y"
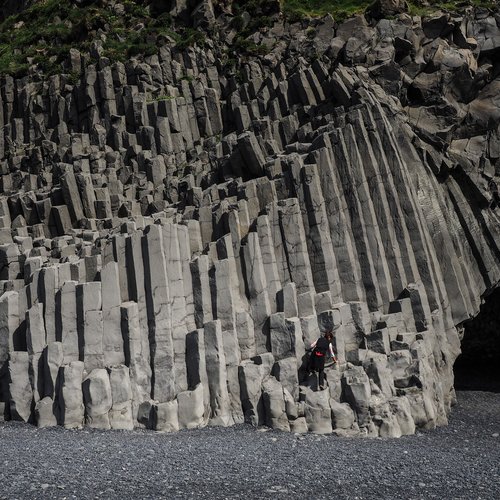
{"x": 321, "y": 377}
{"x": 310, "y": 365}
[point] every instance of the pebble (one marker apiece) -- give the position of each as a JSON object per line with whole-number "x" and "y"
{"x": 240, "y": 463}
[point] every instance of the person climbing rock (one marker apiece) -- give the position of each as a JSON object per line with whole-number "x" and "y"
{"x": 320, "y": 349}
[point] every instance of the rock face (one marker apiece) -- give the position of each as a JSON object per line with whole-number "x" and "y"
{"x": 173, "y": 236}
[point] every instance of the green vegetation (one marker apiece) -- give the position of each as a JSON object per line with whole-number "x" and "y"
{"x": 260, "y": 12}
{"x": 296, "y": 10}
{"x": 340, "y": 9}
{"x": 45, "y": 32}
{"x": 161, "y": 98}
{"x": 417, "y": 9}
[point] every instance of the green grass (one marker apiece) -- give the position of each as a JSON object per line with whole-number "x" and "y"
{"x": 415, "y": 9}
{"x": 340, "y": 9}
{"x": 161, "y": 98}
{"x": 44, "y": 33}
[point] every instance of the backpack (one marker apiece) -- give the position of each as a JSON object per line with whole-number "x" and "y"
{"x": 321, "y": 347}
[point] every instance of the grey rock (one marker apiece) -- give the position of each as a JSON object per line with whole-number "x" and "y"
{"x": 97, "y": 398}
{"x": 121, "y": 412}
{"x": 20, "y": 391}
{"x": 70, "y": 397}
{"x": 174, "y": 231}
{"x": 44, "y": 413}
{"x": 318, "y": 412}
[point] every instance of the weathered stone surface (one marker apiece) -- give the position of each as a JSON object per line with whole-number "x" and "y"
{"x": 44, "y": 413}
{"x": 274, "y": 405}
{"x": 191, "y": 407}
{"x": 97, "y": 398}
{"x": 137, "y": 355}
{"x": 216, "y": 372}
{"x": 71, "y": 407}
{"x": 250, "y": 377}
{"x": 121, "y": 415}
{"x": 166, "y": 416}
{"x": 53, "y": 358}
{"x": 159, "y": 322}
{"x": 20, "y": 390}
{"x": 286, "y": 337}
{"x": 175, "y": 232}
{"x": 112, "y": 340}
{"x": 357, "y": 392}
{"x": 342, "y": 416}
{"x": 317, "y": 412}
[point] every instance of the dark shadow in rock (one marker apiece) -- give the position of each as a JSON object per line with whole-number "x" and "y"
{"x": 478, "y": 367}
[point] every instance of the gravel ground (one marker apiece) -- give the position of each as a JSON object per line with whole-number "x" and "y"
{"x": 461, "y": 460}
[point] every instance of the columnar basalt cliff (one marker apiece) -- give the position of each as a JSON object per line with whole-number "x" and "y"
{"x": 177, "y": 229}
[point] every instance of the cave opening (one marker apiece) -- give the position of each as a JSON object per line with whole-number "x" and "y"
{"x": 478, "y": 367}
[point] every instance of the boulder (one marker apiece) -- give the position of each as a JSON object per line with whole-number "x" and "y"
{"x": 44, "y": 413}
{"x": 20, "y": 390}
{"x": 191, "y": 408}
{"x": 120, "y": 413}
{"x": 318, "y": 413}
{"x": 274, "y": 405}
{"x": 70, "y": 399}
{"x": 166, "y": 416}
{"x": 382, "y": 9}
{"x": 342, "y": 415}
{"x": 97, "y": 399}
{"x": 357, "y": 392}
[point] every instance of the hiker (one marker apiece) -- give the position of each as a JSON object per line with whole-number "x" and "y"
{"x": 320, "y": 348}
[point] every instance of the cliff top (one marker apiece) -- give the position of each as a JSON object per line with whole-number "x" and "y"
{"x": 37, "y": 35}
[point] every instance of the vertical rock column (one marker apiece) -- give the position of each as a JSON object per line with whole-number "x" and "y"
{"x": 185, "y": 258}
{"x": 159, "y": 316}
{"x": 137, "y": 355}
{"x": 278, "y": 244}
{"x": 201, "y": 290}
{"x": 226, "y": 316}
{"x": 220, "y": 406}
{"x": 9, "y": 322}
{"x": 319, "y": 242}
{"x": 97, "y": 397}
{"x": 111, "y": 301}
{"x": 196, "y": 366}
{"x": 257, "y": 289}
{"x": 268, "y": 259}
{"x": 20, "y": 389}
{"x": 337, "y": 215}
{"x": 121, "y": 412}
{"x": 135, "y": 266}
{"x": 294, "y": 239}
{"x": 177, "y": 300}
{"x": 66, "y": 305}
{"x": 90, "y": 324}
{"x": 36, "y": 342}
{"x": 362, "y": 239}
{"x": 49, "y": 285}
{"x": 71, "y": 407}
